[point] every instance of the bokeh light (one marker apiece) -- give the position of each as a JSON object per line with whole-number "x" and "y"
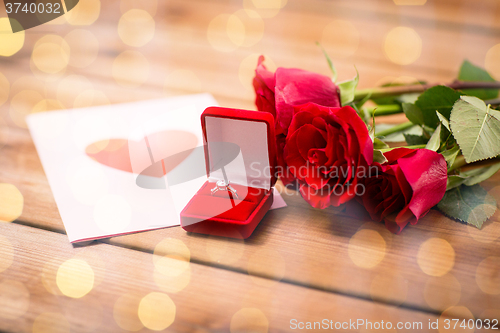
{"x": 130, "y": 69}
{"x": 4, "y": 88}
{"x": 455, "y": 312}
{"x": 254, "y": 26}
{"x": 47, "y": 105}
{"x": 51, "y": 322}
{"x": 246, "y": 71}
{"x": 84, "y": 47}
{"x": 14, "y": 299}
{"x": 10, "y": 43}
{"x": 4, "y": 132}
{"x": 389, "y": 286}
{"x": 90, "y": 97}
{"x": 265, "y": 8}
{"x": 442, "y": 292}
{"x": 403, "y": 45}
{"x": 249, "y": 320}
{"x": 489, "y": 232}
{"x": 70, "y": 87}
{"x": 491, "y": 62}
{"x": 157, "y": 311}
{"x": 51, "y": 54}
{"x": 488, "y": 275}
{"x": 172, "y": 269}
{"x": 267, "y": 263}
{"x": 367, "y": 248}
{"x": 136, "y": 27}
{"x": 340, "y": 39}
{"x": 226, "y": 33}
{"x": 125, "y": 312}
{"x": 112, "y": 213}
{"x": 22, "y": 104}
{"x": 49, "y": 276}
{"x": 171, "y": 283}
{"x": 149, "y": 6}
{"x": 11, "y": 202}
{"x": 436, "y": 257}
{"x": 75, "y": 278}
{"x": 7, "y": 251}
{"x": 182, "y": 79}
{"x": 85, "y": 12}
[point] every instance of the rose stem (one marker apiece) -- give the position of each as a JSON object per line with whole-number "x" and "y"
{"x": 384, "y": 110}
{"x": 409, "y": 147}
{"x": 415, "y": 88}
{"x": 395, "y": 129}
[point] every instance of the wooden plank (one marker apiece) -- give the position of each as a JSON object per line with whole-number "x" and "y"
{"x": 212, "y": 300}
{"x": 317, "y": 247}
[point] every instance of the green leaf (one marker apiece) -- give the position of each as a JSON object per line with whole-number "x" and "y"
{"x": 469, "y": 72}
{"x": 451, "y": 154}
{"x": 435, "y": 140}
{"x": 443, "y": 121}
{"x": 438, "y": 98}
{"x": 413, "y": 113}
{"x": 476, "y": 128}
{"x": 479, "y": 175}
{"x": 471, "y": 204}
{"x": 330, "y": 63}
{"x": 413, "y": 139}
{"x": 379, "y": 157}
{"x": 379, "y": 144}
{"x": 347, "y": 89}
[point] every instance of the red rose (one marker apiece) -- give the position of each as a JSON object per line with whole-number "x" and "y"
{"x": 406, "y": 187}
{"x": 278, "y": 93}
{"x": 327, "y": 150}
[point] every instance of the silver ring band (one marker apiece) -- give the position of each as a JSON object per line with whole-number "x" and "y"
{"x": 222, "y": 186}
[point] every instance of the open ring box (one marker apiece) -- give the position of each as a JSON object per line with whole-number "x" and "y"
{"x": 250, "y": 170}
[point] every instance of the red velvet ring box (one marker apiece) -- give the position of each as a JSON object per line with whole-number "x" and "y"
{"x": 251, "y": 173}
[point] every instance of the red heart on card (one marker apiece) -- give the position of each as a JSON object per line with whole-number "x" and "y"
{"x": 115, "y": 153}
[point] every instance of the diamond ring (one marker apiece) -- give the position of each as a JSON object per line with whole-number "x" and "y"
{"x": 222, "y": 186}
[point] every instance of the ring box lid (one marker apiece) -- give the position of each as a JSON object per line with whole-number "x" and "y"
{"x": 253, "y": 133}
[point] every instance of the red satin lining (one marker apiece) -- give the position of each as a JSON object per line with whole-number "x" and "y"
{"x": 220, "y": 204}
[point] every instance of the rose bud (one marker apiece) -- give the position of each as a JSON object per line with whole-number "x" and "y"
{"x": 327, "y": 150}
{"x": 406, "y": 187}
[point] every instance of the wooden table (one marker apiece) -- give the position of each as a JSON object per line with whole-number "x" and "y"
{"x": 301, "y": 264}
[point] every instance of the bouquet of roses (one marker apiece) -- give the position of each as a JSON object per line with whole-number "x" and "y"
{"x": 330, "y": 149}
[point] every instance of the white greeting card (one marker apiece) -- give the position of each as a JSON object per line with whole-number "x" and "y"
{"x": 92, "y": 158}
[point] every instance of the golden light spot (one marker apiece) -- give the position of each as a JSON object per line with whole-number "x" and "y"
{"x": 75, "y": 278}
{"x": 442, "y": 292}
{"x": 51, "y": 54}
{"x": 265, "y": 8}
{"x": 4, "y": 88}
{"x": 112, "y": 213}
{"x": 254, "y": 26}
{"x": 84, "y": 47}
{"x": 367, "y": 248}
{"x": 6, "y": 253}
{"x": 171, "y": 257}
{"x": 130, "y": 69}
{"x": 87, "y": 182}
{"x": 403, "y": 45}
{"x": 340, "y": 39}
{"x": 489, "y": 232}
{"x": 249, "y": 320}
{"x": 10, "y": 43}
{"x": 488, "y": 276}
{"x": 136, "y": 27}
{"x": 156, "y": 311}
{"x": 47, "y": 105}
{"x": 22, "y": 104}
{"x": 436, "y": 257}
{"x": 51, "y": 322}
{"x": 11, "y": 202}
{"x": 90, "y": 97}
{"x": 49, "y": 276}
{"x": 410, "y": 2}
{"x": 4, "y": 132}
{"x": 150, "y": 6}
{"x": 224, "y": 250}
{"x": 70, "y": 87}
{"x": 389, "y": 287}
{"x": 267, "y": 263}
{"x": 455, "y": 312}
{"x": 491, "y": 62}
{"x": 14, "y": 299}
{"x": 125, "y": 312}
{"x": 171, "y": 283}
{"x": 246, "y": 71}
{"x": 226, "y": 33}
{"x": 182, "y": 79}
{"x": 84, "y": 13}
